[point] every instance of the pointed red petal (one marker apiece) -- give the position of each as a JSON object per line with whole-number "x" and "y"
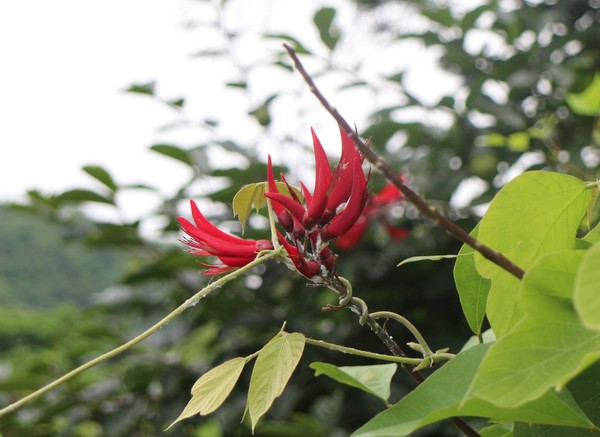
{"x": 342, "y": 222}
{"x": 323, "y": 177}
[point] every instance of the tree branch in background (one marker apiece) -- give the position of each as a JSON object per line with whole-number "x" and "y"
{"x": 426, "y": 209}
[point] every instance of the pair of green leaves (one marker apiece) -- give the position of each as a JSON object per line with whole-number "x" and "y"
{"x": 275, "y": 363}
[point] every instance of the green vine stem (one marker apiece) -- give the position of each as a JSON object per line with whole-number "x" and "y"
{"x": 261, "y": 258}
{"x": 424, "y": 207}
{"x": 435, "y": 357}
{"x": 404, "y": 321}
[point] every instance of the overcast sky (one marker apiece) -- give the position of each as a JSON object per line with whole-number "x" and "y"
{"x": 66, "y": 63}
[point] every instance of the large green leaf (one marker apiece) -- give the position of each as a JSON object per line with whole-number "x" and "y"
{"x": 585, "y": 390}
{"x": 549, "y": 347}
{"x": 536, "y": 213}
{"x": 587, "y": 288}
{"x": 211, "y": 390}
{"x": 472, "y": 288}
{"x": 374, "y": 379}
{"x": 274, "y": 366}
{"x": 442, "y": 394}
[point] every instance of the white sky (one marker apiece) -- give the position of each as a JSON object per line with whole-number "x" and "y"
{"x": 64, "y": 64}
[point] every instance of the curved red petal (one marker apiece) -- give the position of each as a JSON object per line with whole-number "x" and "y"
{"x": 323, "y": 177}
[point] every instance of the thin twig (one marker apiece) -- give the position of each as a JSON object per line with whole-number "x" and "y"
{"x": 192, "y": 301}
{"x": 426, "y": 209}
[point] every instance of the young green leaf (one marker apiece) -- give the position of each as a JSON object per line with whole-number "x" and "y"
{"x": 374, "y": 379}
{"x": 586, "y": 295}
{"x": 272, "y": 370}
{"x": 211, "y": 390}
{"x": 472, "y": 288}
{"x": 441, "y": 396}
{"x": 413, "y": 259}
{"x": 253, "y": 195}
{"x": 536, "y": 213}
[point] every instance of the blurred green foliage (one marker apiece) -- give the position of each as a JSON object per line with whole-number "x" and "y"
{"x": 514, "y": 64}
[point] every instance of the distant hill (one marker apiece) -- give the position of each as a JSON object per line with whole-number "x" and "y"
{"x": 39, "y": 269}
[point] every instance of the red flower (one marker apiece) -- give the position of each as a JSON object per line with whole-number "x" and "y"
{"x": 335, "y": 205}
{"x": 205, "y": 239}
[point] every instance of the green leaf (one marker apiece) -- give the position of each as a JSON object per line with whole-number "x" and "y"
{"x": 413, "y": 259}
{"x": 497, "y": 430}
{"x": 536, "y": 213}
{"x": 274, "y": 366}
{"x": 585, "y": 390}
{"x": 261, "y": 113}
{"x": 253, "y": 195}
{"x": 102, "y": 175}
{"x": 323, "y": 19}
{"x": 518, "y": 142}
{"x": 473, "y": 289}
{"x": 593, "y": 236}
{"x": 211, "y": 390}
{"x": 587, "y": 289}
{"x": 142, "y": 88}
{"x": 79, "y": 195}
{"x": 549, "y": 347}
{"x": 374, "y": 379}
{"x": 173, "y": 152}
{"x": 586, "y": 102}
{"x": 441, "y": 396}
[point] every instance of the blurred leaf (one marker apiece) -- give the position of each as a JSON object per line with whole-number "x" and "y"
{"x": 298, "y": 47}
{"x": 211, "y": 390}
{"x": 586, "y": 102}
{"x": 261, "y": 113}
{"x": 80, "y": 195}
{"x": 374, "y": 379}
{"x": 413, "y": 259}
{"x": 272, "y": 371}
{"x": 323, "y": 19}
{"x": 497, "y": 430}
{"x": 518, "y": 142}
{"x": 209, "y": 53}
{"x": 174, "y": 152}
{"x": 178, "y": 103}
{"x": 102, "y": 175}
{"x": 142, "y": 88}
{"x": 242, "y": 85}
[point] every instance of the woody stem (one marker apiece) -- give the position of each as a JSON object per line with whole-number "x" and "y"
{"x": 425, "y": 208}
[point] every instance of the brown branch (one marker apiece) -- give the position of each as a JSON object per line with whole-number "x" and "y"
{"x": 426, "y": 209}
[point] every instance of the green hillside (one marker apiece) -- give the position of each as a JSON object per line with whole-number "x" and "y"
{"x": 39, "y": 269}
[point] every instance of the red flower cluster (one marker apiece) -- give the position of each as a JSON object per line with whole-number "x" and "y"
{"x": 335, "y": 205}
{"x": 205, "y": 239}
{"x": 338, "y": 210}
